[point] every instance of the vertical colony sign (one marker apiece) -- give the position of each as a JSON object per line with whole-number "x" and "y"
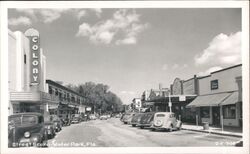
{"x": 33, "y": 36}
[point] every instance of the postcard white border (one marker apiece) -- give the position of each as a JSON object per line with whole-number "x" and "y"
{"x": 126, "y": 4}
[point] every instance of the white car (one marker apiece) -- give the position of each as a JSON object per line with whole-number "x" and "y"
{"x": 92, "y": 117}
{"x": 165, "y": 121}
{"x": 103, "y": 117}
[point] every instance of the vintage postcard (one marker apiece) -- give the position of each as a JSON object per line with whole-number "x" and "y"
{"x": 125, "y": 77}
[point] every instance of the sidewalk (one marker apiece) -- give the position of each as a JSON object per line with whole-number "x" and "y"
{"x": 228, "y": 131}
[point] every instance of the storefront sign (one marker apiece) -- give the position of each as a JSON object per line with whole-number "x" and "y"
{"x": 35, "y": 59}
{"x": 214, "y": 84}
{"x": 182, "y": 98}
{"x": 88, "y": 108}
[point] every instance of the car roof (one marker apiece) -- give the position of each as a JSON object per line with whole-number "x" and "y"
{"x": 27, "y": 113}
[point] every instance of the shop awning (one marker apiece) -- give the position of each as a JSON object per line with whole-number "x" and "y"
{"x": 232, "y": 99}
{"x": 209, "y": 100}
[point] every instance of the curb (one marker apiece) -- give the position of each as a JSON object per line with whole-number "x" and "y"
{"x": 217, "y": 133}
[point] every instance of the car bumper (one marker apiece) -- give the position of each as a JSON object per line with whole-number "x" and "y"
{"x": 144, "y": 125}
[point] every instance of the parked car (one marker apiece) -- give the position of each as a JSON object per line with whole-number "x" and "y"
{"x": 92, "y": 117}
{"x": 26, "y": 129}
{"x": 66, "y": 121}
{"x": 57, "y": 122}
{"x": 50, "y": 127}
{"x": 128, "y": 117}
{"x": 146, "y": 120}
{"x": 166, "y": 121}
{"x": 136, "y": 119}
{"x": 103, "y": 117}
{"x": 76, "y": 118}
{"x": 118, "y": 115}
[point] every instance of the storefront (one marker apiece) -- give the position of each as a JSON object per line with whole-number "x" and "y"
{"x": 220, "y": 98}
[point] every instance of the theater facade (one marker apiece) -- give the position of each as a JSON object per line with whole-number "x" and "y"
{"x": 29, "y": 91}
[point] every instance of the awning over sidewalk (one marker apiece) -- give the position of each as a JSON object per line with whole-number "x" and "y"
{"x": 209, "y": 100}
{"x": 232, "y": 99}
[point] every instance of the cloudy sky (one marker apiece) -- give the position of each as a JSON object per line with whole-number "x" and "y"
{"x": 133, "y": 50}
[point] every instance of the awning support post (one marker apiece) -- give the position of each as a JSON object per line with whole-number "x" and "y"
{"x": 196, "y": 120}
{"x": 222, "y": 123}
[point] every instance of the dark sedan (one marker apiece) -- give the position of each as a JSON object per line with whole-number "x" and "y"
{"x": 26, "y": 129}
{"x": 57, "y": 122}
{"x": 146, "y": 120}
{"x": 136, "y": 119}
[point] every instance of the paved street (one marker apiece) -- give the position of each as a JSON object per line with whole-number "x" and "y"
{"x": 113, "y": 133}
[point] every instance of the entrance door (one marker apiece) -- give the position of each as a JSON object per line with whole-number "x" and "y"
{"x": 216, "y": 116}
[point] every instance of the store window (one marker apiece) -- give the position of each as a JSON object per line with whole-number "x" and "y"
{"x": 229, "y": 111}
{"x": 56, "y": 92}
{"x": 24, "y": 58}
{"x": 205, "y": 112}
{"x": 50, "y": 90}
{"x": 214, "y": 84}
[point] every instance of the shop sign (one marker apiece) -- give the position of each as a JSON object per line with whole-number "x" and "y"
{"x": 35, "y": 59}
{"x": 214, "y": 84}
{"x": 182, "y": 98}
{"x": 88, "y": 108}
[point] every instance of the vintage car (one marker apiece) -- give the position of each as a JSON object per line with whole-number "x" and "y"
{"x": 165, "y": 121}
{"x": 76, "y": 118}
{"x": 103, "y": 117}
{"x": 136, "y": 119}
{"x": 50, "y": 127}
{"x": 92, "y": 117}
{"x": 66, "y": 121}
{"x": 128, "y": 117}
{"x": 26, "y": 129}
{"x": 57, "y": 122}
{"x": 146, "y": 120}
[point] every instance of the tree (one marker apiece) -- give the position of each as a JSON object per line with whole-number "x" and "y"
{"x": 99, "y": 96}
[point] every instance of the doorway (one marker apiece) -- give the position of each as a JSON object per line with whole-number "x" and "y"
{"x": 216, "y": 116}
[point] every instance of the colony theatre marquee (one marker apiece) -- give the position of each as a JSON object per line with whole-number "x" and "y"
{"x": 33, "y": 36}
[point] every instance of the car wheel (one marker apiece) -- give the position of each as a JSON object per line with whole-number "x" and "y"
{"x": 141, "y": 127}
{"x": 171, "y": 128}
{"x": 153, "y": 129}
{"x": 133, "y": 125}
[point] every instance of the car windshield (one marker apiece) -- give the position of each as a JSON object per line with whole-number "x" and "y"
{"x": 24, "y": 119}
{"x": 160, "y": 115}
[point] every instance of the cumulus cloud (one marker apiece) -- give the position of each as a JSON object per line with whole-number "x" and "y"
{"x": 44, "y": 15}
{"x": 81, "y": 14}
{"x": 98, "y": 11}
{"x": 20, "y": 21}
{"x": 223, "y": 50}
{"x": 124, "y": 23}
{"x": 208, "y": 71}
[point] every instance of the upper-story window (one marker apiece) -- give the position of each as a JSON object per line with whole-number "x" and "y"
{"x": 50, "y": 90}
{"x": 56, "y": 92}
{"x": 24, "y": 58}
{"x": 214, "y": 84}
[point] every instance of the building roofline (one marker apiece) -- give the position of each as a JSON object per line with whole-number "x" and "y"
{"x": 63, "y": 87}
{"x": 226, "y": 68}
